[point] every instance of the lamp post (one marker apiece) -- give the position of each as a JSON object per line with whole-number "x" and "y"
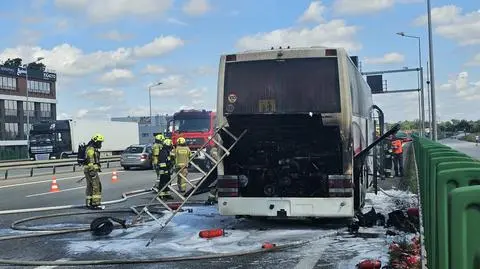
{"x": 432, "y": 72}
{"x": 150, "y": 102}
{"x": 27, "y": 131}
{"x": 422, "y": 97}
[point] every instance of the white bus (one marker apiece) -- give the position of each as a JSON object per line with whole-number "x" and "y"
{"x": 307, "y": 111}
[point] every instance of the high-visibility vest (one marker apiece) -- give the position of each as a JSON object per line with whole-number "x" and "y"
{"x": 397, "y": 146}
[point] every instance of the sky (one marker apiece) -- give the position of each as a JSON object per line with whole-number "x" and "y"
{"x": 107, "y": 53}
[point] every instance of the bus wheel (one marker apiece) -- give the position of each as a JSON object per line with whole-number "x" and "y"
{"x": 63, "y": 156}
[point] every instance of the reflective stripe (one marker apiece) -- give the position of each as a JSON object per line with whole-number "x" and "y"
{"x": 163, "y": 165}
{"x": 96, "y": 196}
{"x": 89, "y": 197}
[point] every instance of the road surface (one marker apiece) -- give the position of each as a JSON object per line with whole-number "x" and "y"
{"x": 468, "y": 148}
{"x": 324, "y": 249}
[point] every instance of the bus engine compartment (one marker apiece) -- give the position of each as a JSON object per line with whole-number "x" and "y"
{"x": 283, "y": 155}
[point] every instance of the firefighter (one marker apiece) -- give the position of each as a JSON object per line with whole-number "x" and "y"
{"x": 397, "y": 150}
{"x": 156, "y": 148}
{"x": 182, "y": 157}
{"x": 164, "y": 167}
{"x": 93, "y": 191}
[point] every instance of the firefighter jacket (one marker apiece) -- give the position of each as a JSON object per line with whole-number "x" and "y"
{"x": 182, "y": 155}
{"x": 164, "y": 158}
{"x": 156, "y": 148}
{"x": 397, "y": 146}
{"x": 93, "y": 159}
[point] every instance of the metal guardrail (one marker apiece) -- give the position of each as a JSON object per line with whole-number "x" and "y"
{"x": 54, "y": 164}
{"x": 450, "y": 200}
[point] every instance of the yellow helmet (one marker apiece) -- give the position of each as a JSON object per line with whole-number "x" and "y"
{"x": 98, "y": 138}
{"x": 181, "y": 140}
{"x": 159, "y": 137}
{"x": 167, "y": 142}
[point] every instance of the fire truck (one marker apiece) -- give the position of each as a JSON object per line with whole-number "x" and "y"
{"x": 196, "y": 126}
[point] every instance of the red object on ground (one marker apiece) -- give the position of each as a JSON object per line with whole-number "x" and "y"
{"x": 369, "y": 264}
{"x": 414, "y": 259}
{"x": 211, "y": 233}
{"x": 267, "y": 245}
{"x": 414, "y": 212}
{"x": 174, "y": 206}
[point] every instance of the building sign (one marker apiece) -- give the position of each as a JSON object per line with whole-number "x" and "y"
{"x": 32, "y": 73}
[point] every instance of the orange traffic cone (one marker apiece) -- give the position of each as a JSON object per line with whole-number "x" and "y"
{"x": 114, "y": 177}
{"x": 54, "y": 187}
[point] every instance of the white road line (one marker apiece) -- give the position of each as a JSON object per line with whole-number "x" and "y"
{"x": 49, "y": 180}
{"x": 45, "y": 193}
{"x": 48, "y": 267}
{"x": 307, "y": 262}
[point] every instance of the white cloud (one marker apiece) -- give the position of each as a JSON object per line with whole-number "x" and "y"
{"x": 196, "y": 7}
{"x": 197, "y": 92}
{"x": 451, "y": 23}
{"x": 116, "y": 75}
{"x": 154, "y": 69}
{"x": 115, "y": 35}
{"x": 172, "y": 86}
{"x": 334, "y": 33}
{"x": 314, "y": 13}
{"x": 388, "y": 58}
{"x": 475, "y": 61}
{"x": 64, "y": 116}
{"x": 462, "y": 87}
{"x": 100, "y": 112}
{"x": 69, "y": 60}
{"x": 176, "y": 21}
{"x": 109, "y": 10}
{"x": 206, "y": 70}
{"x": 158, "y": 46}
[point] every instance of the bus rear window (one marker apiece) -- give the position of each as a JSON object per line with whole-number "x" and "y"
{"x": 299, "y": 85}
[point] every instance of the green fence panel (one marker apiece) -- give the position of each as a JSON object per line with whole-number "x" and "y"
{"x": 464, "y": 232}
{"x": 447, "y": 181}
{"x": 428, "y": 205}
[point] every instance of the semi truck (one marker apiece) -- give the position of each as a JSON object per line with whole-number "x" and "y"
{"x": 59, "y": 139}
{"x": 308, "y": 116}
{"x": 196, "y": 126}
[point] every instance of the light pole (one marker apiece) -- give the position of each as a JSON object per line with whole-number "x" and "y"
{"x": 432, "y": 72}
{"x": 429, "y": 102}
{"x": 150, "y": 101}
{"x": 422, "y": 97}
{"x": 27, "y": 104}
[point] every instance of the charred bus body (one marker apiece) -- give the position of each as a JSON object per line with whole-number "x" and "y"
{"x": 307, "y": 112}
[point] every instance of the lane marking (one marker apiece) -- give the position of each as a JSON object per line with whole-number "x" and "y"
{"x": 52, "y": 266}
{"x": 307, "y": 262}
{"x": 49, "y": 180}
{"x": 45, "y": 193}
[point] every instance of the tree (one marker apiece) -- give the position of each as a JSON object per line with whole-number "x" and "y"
{"x": 16, "y": 62}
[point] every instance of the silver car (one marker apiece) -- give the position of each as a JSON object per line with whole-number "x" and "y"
{"x": 137, "y": 156}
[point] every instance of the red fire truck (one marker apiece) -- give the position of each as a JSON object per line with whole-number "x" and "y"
{"x": 196, "y": 126}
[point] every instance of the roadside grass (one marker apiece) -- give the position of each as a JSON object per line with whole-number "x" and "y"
{"x": 470, "y": 137}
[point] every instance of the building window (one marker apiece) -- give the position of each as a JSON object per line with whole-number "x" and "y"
{"x": 25, "y": 131}
{"x": 45, "y": 110}
{"x": 10, "y": 108}
{"x": 8, "y": 83}
{"x": 39, "y": 86}
{"x": 30, "y": 109}
{"x": 11, "y": 130}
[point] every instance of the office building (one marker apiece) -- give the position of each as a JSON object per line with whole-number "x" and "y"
{"x": 145, "y": 130}
{"x": 14, "y": 108}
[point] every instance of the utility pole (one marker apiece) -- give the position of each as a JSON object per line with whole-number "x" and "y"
{"x": 432, "y": 73}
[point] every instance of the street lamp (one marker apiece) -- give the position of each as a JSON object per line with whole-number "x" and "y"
{"x": 27, "y": 104}
{"x": 432, "y": 72}
{"x": 150, "y": 101}
{"x": 422, "y": 98}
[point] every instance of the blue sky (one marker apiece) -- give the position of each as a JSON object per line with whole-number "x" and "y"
{"x": 107, "y": 52}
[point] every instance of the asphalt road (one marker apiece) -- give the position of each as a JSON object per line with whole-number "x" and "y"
{"x": 463, "y": 146}
{"x": 179, "y": 238}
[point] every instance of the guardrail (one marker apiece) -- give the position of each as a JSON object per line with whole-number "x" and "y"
{"x": 54, "y": 164}
{"x": 450, "y": 199}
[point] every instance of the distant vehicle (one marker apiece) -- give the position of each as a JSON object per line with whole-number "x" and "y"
{"x": 137, "y": 156}
{"x": 308, "y": 116}
{"x": 60, "y": 139}
{"x": 196, "y": 126}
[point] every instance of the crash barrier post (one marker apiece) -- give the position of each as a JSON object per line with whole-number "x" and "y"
{"x": 449, "y": 192}
{"x": 30, "y": 166}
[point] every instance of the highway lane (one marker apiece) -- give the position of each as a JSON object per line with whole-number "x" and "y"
{"x": 468, "y": 148}
{"x": 35, "y": 192}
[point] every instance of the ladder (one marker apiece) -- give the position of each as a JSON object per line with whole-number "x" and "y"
{"x": 225, "y": 152}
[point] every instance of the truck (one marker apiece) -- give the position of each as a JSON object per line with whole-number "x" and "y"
{"x": 196, "y": 126}
{"x": 308, "y": 117}
{"x": 59, "y": 139}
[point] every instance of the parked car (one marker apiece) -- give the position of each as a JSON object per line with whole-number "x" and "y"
{"x": 137, "y": 156}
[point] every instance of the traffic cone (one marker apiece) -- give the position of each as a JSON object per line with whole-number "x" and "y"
{"x": 114, "y": 177}
{"x": 54, "y": 187}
